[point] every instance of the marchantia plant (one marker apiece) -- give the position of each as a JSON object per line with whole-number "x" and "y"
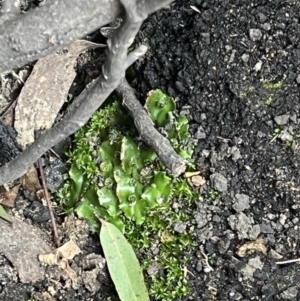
{"x": 118, "y": 178}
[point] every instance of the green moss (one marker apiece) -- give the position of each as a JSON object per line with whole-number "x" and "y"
{"x": 271, "y": 89}
{"x": 115, "y": 177}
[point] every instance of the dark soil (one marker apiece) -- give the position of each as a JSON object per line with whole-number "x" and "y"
{"x": 234, "y": 67}
{"x": 219, "y": 64}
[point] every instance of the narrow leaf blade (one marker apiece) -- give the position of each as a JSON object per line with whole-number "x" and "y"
{"x": 4, "y": 214}
{"x": 123, "y": 265}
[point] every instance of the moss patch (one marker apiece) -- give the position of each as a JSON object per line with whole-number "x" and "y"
{"x": 116, "y": 177}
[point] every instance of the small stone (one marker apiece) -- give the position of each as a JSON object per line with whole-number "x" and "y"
{"x": 282, "y": 219}
{"x": 216, "y": 218}
{"x": 294, "y": 118}
{"x": 271, "y": 216}
{"x": 290, "y": 293}
{"x": 261, "y": 17}
{"x": 153, "y": 268}
{"x": 254, "y": 232}
{"x": 200, "y": 134}
{"x": 242, "y": 202}
{"x": 298, "y": 79}
{"x": 253, "y": 264}
{"x": 245, "y": 57}
{"x": 266, "y": 228}
{"x": 180, "y": 227}
{"x": 266, "y": 26}
{"x": 273, "y": 254}
{"x": 218, "y": 182}
{"x": 199, "y": 266}
{"x": 282, "y": 119}
{"x": 201, "y": 220}
{"x": 255, "y": 34}
{"x": 198, "y": 181}
{"x": 257, "y": 66}
{"x": 243, "y": 225}
{"x": 285, "y": 136}
{"x": 235, "y": 153}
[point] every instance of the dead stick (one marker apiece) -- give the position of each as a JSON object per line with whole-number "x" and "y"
{"x": 49, "y": 203}
{"x": 148, "y": 132}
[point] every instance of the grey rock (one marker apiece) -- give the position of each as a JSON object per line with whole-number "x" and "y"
{"x": 180, "y": 227}
{"x": 199, "y": 266}
{"x": 282, "y": 119}
{"x": 245, "y": 57}
{"x": 90, "y": 280}
{"x": 254, "y": 232}
{"x": 235, "y": 153}
{"x": 224, "y": 242}
{"x": 266, "y": 228}
{"x": 204, "y": 233}
{"x": 54, "y": 175}
{"x": 253, "y": 264}
{"x": 243, "y": 225}
{"x": 200, "y": 218}
{"x": 285, "y": 136}
{"x": 266, "y": 26}
{"x": 255, "y": 34}
{"x": 153, "y": 268}
{"x": 242, "y": 202}
{"x": 200, "y": 134}
{"x": 298, "y": 79}
{"x": 218, "y": 182}
{"x": 294, "y": 118}
{"x": 290, "y": 293}
{"x": 262, "y": 18}
{"x": 271, "y": 216}
{"x": 216, "y": 218}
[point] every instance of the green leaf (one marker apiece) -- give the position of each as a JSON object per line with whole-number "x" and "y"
{"x": 5, "y": 215}
{"x": 159, "y": 190}
{"x": 108, "y": 153}
{"x": 147, "y": 156}
{"x": 123, "y": 265}
{"x": 89, "y": 212}
{"x": 108, "y": 200}
{"x": 130, "y": 155}
{"x": 159, "y": 106}
{"x": 78, "y": 178}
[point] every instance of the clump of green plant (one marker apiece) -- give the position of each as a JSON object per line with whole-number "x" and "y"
{"x": 116, "y": 177}
{"x": 271, "y": 88}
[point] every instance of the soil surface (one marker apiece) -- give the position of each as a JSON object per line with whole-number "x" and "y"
{"x": 234, "y": 68}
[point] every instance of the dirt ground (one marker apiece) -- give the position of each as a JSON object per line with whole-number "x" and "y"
{"x": 234, "y": 68}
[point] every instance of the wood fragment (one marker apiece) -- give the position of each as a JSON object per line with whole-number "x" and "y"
{"x": 47, "y": 196}
{"x": 148, "y": 132}
{"x": 46, "y": 90}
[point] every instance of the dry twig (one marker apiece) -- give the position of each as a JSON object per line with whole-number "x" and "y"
{"x": 147, "y": 131}
{"x": 83, "y": 107}
{"x": 47, "y": 196}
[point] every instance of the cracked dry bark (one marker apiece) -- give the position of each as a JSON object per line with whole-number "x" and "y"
{"x": 81, "y": 110}
{"x": 27, "y": 37}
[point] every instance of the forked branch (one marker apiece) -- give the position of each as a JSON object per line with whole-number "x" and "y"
{"x": 81, "y": 110}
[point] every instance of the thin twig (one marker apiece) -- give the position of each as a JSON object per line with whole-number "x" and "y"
{"x": 288, "y": 261}
{"x": 148, "y": 132}
{"x": 8, "y": 108}
{"x": 49, "y": 203}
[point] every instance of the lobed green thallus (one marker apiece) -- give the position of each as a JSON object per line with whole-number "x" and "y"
{"x": 116, "y": 177}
